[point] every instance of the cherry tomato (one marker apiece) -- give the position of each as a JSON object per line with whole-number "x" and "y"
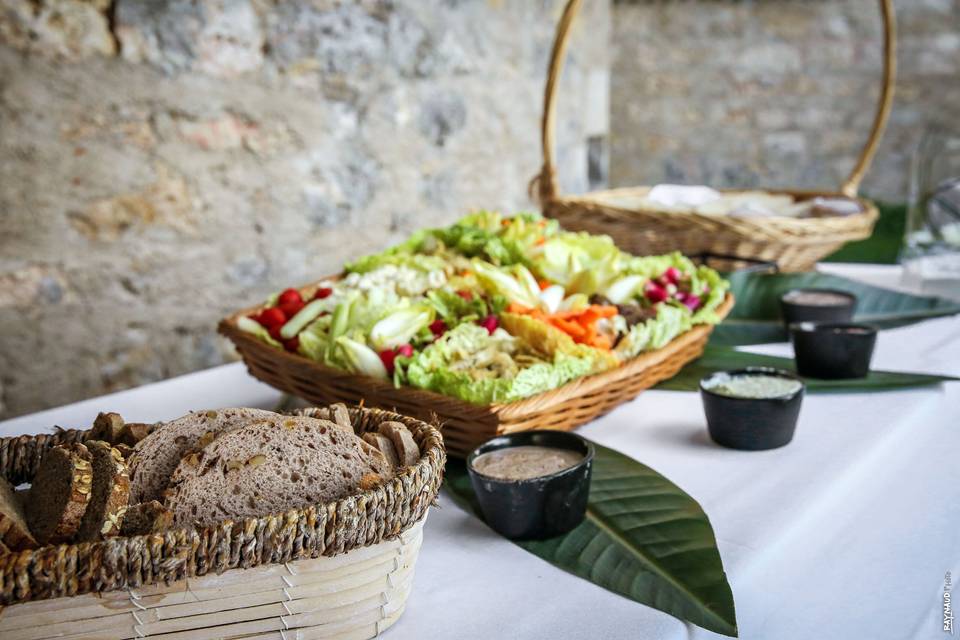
{"x": 291, "y": 309}
{"x": 272, "y": 317}
{"x": 288, "y": 296}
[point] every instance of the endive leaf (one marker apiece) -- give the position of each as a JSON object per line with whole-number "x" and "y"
{"x": 643, "y": 538}
{"x": 755, "y": 318}
{"x": 725, "y": 358}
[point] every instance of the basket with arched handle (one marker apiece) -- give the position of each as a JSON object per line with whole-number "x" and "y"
{"x": 793, "y": 243}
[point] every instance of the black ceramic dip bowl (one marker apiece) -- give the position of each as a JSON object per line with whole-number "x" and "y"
{"x": 817, "y": 305}
{"x": 756, "y": 414}
{"x": 540, "y": 507}
{"x": 831, "y": 350}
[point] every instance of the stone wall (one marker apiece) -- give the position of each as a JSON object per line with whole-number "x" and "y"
{"x": 775, "y": 92}
{"x": 165, "y": 162}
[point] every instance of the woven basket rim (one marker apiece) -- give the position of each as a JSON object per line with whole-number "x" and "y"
{"x": 788, "y": 229}
{"x": 409, "y": 485}
{"x": 537, "y": 402}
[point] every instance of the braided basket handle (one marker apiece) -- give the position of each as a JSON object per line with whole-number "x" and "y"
{"x": 546, "y": 181}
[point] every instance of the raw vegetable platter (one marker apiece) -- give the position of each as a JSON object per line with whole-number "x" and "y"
{"x": 492, "y": 325}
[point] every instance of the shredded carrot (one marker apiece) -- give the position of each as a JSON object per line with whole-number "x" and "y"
{"x": 543, "y": 284}
{"x": 466, "y": 273}
{"x": 539, "y": 241}
{"x": 516, "y": 307}
{"x": 580, "y": 325}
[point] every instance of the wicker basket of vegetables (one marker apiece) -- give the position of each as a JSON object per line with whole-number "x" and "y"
{"x": 493, "y": 325}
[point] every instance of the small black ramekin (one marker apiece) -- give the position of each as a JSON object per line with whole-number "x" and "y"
{"x": 541, "y": 507}
{"x": 832, "y": 350}
{"x": 795, "y": 312}
{"x": 752, "y": 424}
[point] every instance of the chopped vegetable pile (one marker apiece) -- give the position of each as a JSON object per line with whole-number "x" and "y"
{"x": 492, "y": 309}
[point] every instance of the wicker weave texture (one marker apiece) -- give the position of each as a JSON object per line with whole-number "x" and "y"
{"x": 466, "y": 425}
{"x": 358, "y": 594}
{"x": 794, "y": 244}
{"x": 362, "y": 520}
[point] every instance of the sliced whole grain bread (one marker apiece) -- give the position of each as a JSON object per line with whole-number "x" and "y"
{"x": 146, "y": 517}
{"x": 107, "y": 427}
{"x": 156, "y": 456}
{"x": 109, "y": 495}
{"x": 60, "y": 493}
{"x": 407, "y": 450}
{"x": 384, "y": 445}
{"x": 14, "y": 532}
{"x": 271, "y": 466}
{"x": 335, "y": 413}
{"x": 134, "y": 432}
{"x": 340, "y": 415}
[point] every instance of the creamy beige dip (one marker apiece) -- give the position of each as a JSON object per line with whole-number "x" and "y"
{"x": 523, "y": 463}
{"x": 814, "y": 298}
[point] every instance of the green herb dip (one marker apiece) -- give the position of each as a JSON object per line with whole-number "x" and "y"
{"x": 753, "y": 386}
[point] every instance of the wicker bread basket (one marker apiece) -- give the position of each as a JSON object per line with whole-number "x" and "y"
{"x": 341, "y": 569}
{"x": 465, "y": 425}
{"x": 795, "y": 244}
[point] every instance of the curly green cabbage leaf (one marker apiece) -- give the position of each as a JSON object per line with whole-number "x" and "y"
{"x": 440, "y": 367}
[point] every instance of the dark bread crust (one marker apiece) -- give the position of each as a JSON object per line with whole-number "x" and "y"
{"x": 145, "y": 518}
{"x": 60, "y": 493}
{"x": 407, "y": 450}
{"x": 107, "y": 427}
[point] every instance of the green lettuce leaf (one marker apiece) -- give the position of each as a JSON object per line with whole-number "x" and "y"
{"x": 255, "y": 328}
{"x": 430, "y": 369}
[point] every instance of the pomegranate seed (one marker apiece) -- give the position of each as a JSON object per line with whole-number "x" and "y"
{"x": 466, "y": 295}
{"x": 405, "y": 350}
{"x": 438, "y": 327}
{"x": 655, "y": 293}
{"x": 387, "y": 357}
{"x": 288, "y": 296}
{"x": 322, "y": 292}
{"x": 272, "y": 317}
{"x": 291, "y": 309}
{"x": 490, "y": 323}
{"x": 292, "y": 345}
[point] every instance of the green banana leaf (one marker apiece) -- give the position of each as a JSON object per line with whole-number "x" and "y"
{"x": 755, "y": 318}
{"x": 726, "y": 358}
{"x": 643, "y": 538}
{"x": 883, "y": 245}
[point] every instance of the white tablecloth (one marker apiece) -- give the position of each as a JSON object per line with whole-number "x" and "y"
{"x": 846, "y": 533}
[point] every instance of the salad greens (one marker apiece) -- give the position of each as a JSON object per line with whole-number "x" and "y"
{"x": 492, "y": 309}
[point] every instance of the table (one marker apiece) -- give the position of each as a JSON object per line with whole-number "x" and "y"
{"x": 846, "y": 533}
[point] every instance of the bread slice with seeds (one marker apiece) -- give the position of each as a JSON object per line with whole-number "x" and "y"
{"x": 407, "y": 450}
{"x": 146, "y": 517}
{"x": 109, "y": 495}
{"x": 60, "y": 493}
{"x": 384, "y": 445}
{"x": 271, "y": 466}
{"x": 14, "y": 532}
{"x": 156, "y": 456}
